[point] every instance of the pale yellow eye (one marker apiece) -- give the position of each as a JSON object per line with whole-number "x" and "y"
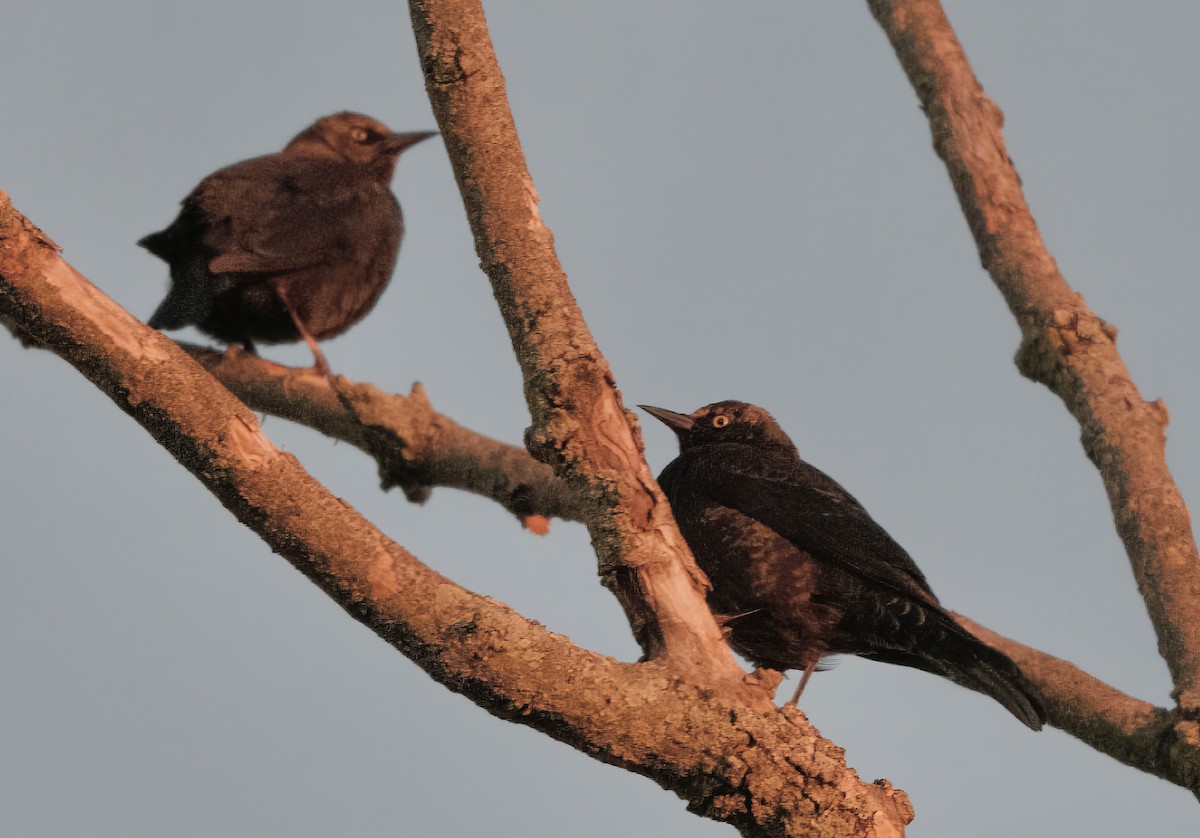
{"x": 359, "y": 135}
{"x": 720, "y": 421}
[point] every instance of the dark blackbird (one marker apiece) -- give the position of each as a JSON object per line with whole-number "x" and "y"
{"x": 800, "y": 570}
{"x": 294, "y": 245}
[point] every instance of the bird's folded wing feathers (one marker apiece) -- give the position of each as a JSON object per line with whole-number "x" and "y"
{"x": 260, "y": 221}
{"x": 812, "y": 511}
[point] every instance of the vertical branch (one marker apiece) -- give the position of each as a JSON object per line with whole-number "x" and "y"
{"x": 579, "y": 425}
{"x": 1064, "y": 344}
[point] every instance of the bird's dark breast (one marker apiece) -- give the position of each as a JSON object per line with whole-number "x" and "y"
{"x": 330, "y": 300}
{"x": 333, "y": 298}
{"x": 768, "y": 594}
{"x": 783, "y": 608}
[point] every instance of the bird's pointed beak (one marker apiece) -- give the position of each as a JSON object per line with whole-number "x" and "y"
{"x": 675, "y": 421}
{"x": 397, "y": 142}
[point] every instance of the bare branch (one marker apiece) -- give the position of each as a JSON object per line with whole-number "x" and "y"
{"x": 415, "y": 447}
{"x": 1064, "y": 345}
{"x": 1160, "y": 742}
{"x": 1134, "y": 732}
{"x": 579, "y": 424}
{"x": 768, "y": 773}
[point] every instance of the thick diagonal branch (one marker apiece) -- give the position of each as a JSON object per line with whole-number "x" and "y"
{"x": 1064, "y": 344}
{"x": 579, "y": 425}
{"x": 1135, "y": 732}
{"x": 768, "y": 773}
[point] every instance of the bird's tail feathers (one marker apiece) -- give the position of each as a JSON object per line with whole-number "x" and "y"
{"x": 170, "y": 314}
{"x": 189, "y": 300}
{"x": 956, "y": 654}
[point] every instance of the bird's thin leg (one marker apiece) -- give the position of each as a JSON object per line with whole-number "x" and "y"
{"x": 320, "y": 364}
{"x": 237, "y": 348}
{"x": 808, "y": 671}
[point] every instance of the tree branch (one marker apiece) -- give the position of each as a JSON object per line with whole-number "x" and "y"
{"x": 1134, "y": 732}
{"x": 579, "y": 425}
{"x": 1160, "y": 742}
{"x": 415, "y": 447}
{"x": 768, "y": 773}
{"x": 1064, "y": 344}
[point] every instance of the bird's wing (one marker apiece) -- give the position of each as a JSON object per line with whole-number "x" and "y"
{"x": 272, "y": 214}
{"x": 808, "y": 508}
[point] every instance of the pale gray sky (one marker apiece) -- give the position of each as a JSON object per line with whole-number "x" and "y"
{"x": 747, "y": 203}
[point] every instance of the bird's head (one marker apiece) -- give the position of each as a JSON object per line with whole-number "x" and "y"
{"x": 355, "y": 138}
{"x": 722, "y": 422}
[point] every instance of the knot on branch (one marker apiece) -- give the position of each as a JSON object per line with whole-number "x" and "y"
{"x": 1158, "y": 409}
{"x": 393, "y": 441}
{"x": 1049, "y": 343}
{"x": 1179, "y": 746}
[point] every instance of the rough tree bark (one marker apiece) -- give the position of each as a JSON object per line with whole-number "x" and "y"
{"x": 1073, "y": 352}
{"x": 687, "y": 716}
{"x": 725, "y": 750}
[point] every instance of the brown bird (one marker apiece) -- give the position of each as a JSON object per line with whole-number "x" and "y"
{"x": 289, "y": 246}
{"x": 799, "y": 570}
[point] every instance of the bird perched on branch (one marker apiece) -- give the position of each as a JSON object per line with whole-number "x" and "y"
{"x": 799, "y": 570}
{"x": 289, "y": 246}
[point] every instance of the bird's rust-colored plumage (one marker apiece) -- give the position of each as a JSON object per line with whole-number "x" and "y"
{"x": 289, "y": 246}
{"x": 800, "y": 570}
